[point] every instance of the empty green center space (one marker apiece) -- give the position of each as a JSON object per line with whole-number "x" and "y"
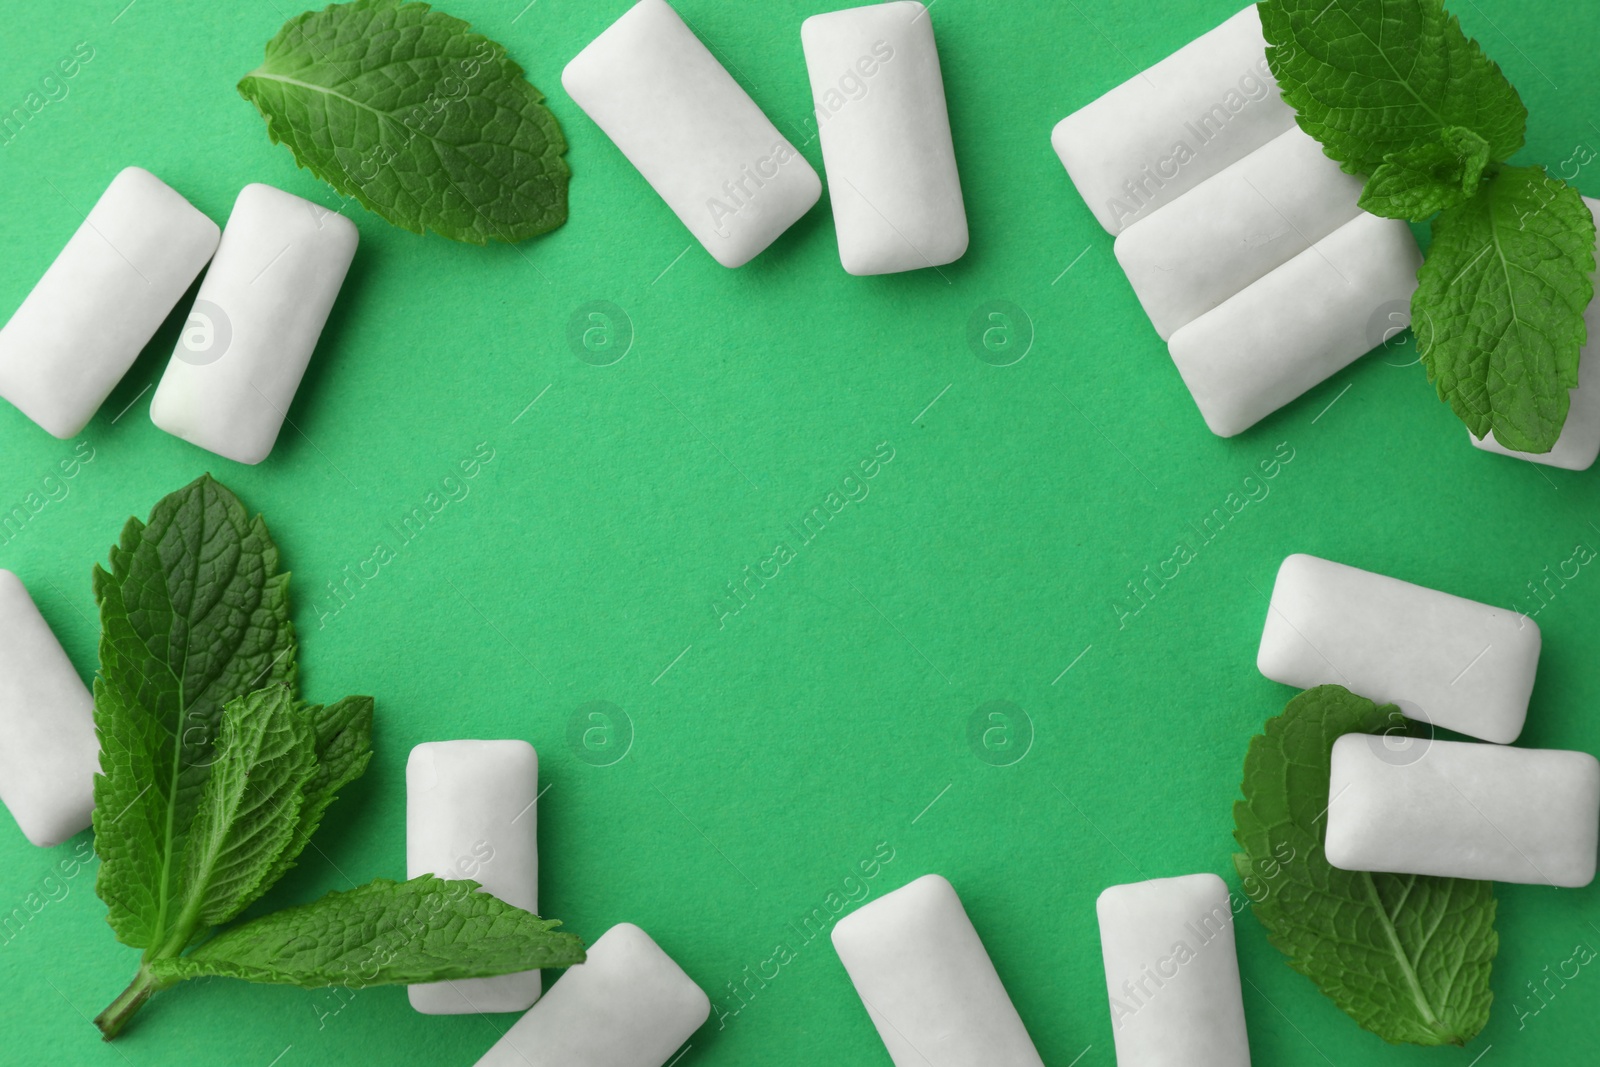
{"x": 803, "y": 585}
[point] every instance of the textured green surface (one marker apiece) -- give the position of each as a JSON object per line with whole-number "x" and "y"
{"x": 770, "y": 756}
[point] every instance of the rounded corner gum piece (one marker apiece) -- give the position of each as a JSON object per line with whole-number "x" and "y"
{"x": 879, "y": 100}
{"x": 1172, "y": 973}
{"x": 694, "y": 134}
{"x": 627, "y": 1005}
{"x": 102, "y": 300}
{"x": 926, "y": 980}
{"x": 1398, "y": 643}
{"x": 277, "y": 273}
{"x": 470, "y": 813}
{"x": 1460, "y": 809}
{"x": 50, "y": 753}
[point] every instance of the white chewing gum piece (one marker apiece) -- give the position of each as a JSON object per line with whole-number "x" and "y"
{"x": 628, "y": 1005}
{"x": 470, "y": 813}
{"x": 927, "y": 982}
{"x": 885, "y": 132}
{"x": 698, "y": 139}
{"x": 49, "y": 755}
{"x": 1579, "y": 443}
{"x": 1301, "y": 323}
{"x": 1234, "y": 228}
{"x": 254, "y": 324}
{"x": 139, "y": 249}
{"x": 1166, "y": 130}
{"x": 1456, "y": 809}
{"x": 1172, "y": 973}
{"x": 1453, "y": 662}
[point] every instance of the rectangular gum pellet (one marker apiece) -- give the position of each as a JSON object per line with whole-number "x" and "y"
{"x": 628, "y": 1005}
{"x": 885, "y": 132}
{"x": 1579, "y": 443}
{"x": 1164, "y": 131}
{"x": 470, "y": 814}
{"x": 1172, "y": 973}
{"x": 1300, "y": 323}
{"x": 50, "y": 755}
{"x": 1462, "y": 810}
{"x": 1234, "y": 228}
{"x": 139, "y": 249}
{"x": 697, "y": 138}
{"x": 1456, "y": 663}
{"x": 927, "y": 982}
{"x": 254, "y": 325}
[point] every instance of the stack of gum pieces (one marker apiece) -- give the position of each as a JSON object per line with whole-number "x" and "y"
{"x": 1241, "y": 238}
{"x": 1419, "y": 805}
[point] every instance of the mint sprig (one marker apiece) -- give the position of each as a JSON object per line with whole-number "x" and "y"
{"x": 426, "y": 123}
{"x": 215, "y": 774}
{"x": 1394, "y": 89}
{"x": 1408, "y": 957}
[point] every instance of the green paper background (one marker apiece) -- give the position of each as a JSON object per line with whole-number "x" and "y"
{"x": 772, "y": 753}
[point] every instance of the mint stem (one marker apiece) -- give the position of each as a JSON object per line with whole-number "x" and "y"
{"x": 119, "y": 1011}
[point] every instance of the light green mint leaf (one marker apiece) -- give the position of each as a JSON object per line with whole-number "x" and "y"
{"x": 343, "y": 733}
{"x": 1498, "y": 311}
{"x": 424, "y": 122}
{"x": 382, "y": 933}
{"x": 249, "y": 810}
{"x": 194, "y": 612}
{"x": 1428, "y": 177}
{"x": 1373, "y": 81}
{"x": 1407, "y": 957}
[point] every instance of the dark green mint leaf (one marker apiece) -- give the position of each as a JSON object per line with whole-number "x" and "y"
{"x": 343, "y": 748}
{"x": 424, "y": 122}
{"x": 1498, "y": 312}
{"x": 382, "y": 933}
{"x": 193, "y": 613}
{"x": 250, "y": 809}
{"x": 1376, "y": 80}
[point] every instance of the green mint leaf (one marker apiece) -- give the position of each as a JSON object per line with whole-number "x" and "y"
{"x": 343, "y": 733}
{"x": 1374, "y": 81}
{"x": 382, "y": 933}
{"x": 1428, "y": 177}
{"x": 427, "y": 124}
{"x": 1498, "y": 311}
{"x": 1407, "y": 957}
{"x": 193, "y": 613}
{"x": 249, "y": 810}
